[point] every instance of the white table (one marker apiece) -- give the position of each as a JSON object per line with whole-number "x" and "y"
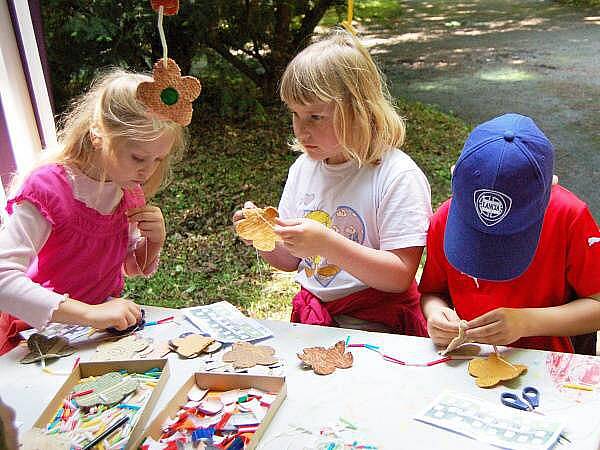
{"x": 376, "y": 395}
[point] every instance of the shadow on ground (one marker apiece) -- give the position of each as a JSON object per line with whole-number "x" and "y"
{"x": 479, "y": 59}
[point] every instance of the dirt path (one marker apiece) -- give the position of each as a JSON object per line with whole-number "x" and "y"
{"x": 482, "y": 58}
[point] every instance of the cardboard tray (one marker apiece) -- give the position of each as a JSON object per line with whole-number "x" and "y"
{"x": 222, "y": 382}
{"x": 87, "y": 369}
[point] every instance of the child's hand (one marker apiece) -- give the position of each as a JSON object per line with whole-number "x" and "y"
{"x": 150, "y": 222}
{"x": 303, "y": 238}
{"x": 501, "y": 326}
{"x": 239, "y": 215}
{"x": 442, "y": 325}
{"x": 119, "y": 313}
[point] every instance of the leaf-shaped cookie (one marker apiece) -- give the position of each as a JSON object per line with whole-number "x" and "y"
{"x": 244, "y": 355}
{"x": 42, "y": 347}
{"x": 324, "y": 361}
{"x": 492, "y": 370}
{"x": 257, "y": 226}
{"x": 107, "y": 389}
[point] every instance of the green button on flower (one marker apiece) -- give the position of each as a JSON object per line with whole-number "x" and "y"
{"x": 169, "y": 96}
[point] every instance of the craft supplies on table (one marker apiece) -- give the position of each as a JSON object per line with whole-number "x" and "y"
{"x": 490, "y": 423}
{"x": 105, "y": 403}
{"x": 228, "y": 410}
{"x": 225, "y": 323}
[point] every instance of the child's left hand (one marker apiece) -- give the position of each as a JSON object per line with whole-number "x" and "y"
{"x": 501, "y": 326}
{"x": 303, "y": 238}
{"x": 150, "y": 222}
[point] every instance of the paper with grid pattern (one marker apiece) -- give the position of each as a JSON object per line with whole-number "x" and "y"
{"x": 225, "y": 323}
{"x": 491, "y": 423}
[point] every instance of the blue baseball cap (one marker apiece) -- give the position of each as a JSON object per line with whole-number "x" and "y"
{"x": 500, "y": 190}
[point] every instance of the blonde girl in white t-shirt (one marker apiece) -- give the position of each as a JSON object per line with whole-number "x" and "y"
{"x": 355, "y": 209}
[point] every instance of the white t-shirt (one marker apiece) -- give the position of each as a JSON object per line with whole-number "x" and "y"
{"x": 385, "y": 207}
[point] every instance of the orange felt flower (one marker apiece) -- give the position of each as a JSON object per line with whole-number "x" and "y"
{"x": 170, "y": 95}
{"x": 170, "y": 7}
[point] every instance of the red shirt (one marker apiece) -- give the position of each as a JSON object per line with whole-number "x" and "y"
{"x": 566, "y": 266}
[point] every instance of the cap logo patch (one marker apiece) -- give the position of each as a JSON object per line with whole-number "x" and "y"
{"x": 491, "y": 206}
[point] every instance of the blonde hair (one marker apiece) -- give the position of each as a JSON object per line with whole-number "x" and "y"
{"x": 339, "y": 69}
{"x": 110, "y": 108}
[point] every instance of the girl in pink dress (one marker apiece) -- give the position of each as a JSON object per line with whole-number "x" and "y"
{"x": 78, "y": 222}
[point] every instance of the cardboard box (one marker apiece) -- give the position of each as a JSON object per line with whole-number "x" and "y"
{"x": 87, "y": 369}
{"x": 222, "y": 382}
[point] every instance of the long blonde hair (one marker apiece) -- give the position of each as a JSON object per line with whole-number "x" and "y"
{"x": 339, "y": 69}
{"x": 110, "y": 106}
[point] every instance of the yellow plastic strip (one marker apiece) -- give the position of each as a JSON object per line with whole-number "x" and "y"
{"x": 347, "y": 24}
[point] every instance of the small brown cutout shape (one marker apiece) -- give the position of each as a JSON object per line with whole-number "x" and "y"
{"x": 324, "y": 361}
{"x": 244, "y": 355}
{"x": 191, "y": 345}
{"x": 42, "y": 347}
{"x": 257, "y": 226}
{"x": 168, "y": 83}
{"x": 458, "y": 340}
{"x": 490, "y": 371}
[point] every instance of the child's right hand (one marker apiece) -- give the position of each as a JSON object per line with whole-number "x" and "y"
{"x": 442, "y": 325}
{"x": 118, "y": 313}
{"x": 239, "y": 215}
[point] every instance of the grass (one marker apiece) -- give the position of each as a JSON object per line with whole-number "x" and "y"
{"x": 231, "y": 161}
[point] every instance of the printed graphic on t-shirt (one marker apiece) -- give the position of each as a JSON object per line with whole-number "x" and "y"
{"x": 345, "y": 221}
{"x": 593, "y": 241}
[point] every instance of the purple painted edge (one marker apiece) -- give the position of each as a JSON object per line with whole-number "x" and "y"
{"x": 40, "y": 43}
{"x": 8, "y": 165}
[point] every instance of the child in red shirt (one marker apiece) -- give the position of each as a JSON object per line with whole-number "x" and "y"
{"x": 511, "y": 253}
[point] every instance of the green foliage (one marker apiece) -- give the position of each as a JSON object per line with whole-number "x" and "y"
{"x": 580, "y": 3}
{"x": 257, "y": 38}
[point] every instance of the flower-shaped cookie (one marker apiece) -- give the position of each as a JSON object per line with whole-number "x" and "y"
{"x": 244, "y": 355}
{"x": 170, "y": 95}
{"x": 170, "y": 7}
{"x": 492, "y": 370}
{"x": 324, "y": 361}
{"x": 257, "y": 226}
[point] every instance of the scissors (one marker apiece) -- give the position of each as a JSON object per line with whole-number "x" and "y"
{"x": 531, "y": 397}
{"x": 531, "y": 400}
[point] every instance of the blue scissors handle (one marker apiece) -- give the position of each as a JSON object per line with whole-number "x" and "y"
{"x": 510, "y": 399}
{"x": 530, "y": 394}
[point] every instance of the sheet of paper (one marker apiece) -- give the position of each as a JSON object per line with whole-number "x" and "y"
{"x": 71, "y": 333}
{"x": 492, "y": 423}
{"x": 224, "y": 322}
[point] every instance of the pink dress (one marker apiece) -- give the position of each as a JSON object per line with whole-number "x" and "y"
{"x": 85, "y": 252}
